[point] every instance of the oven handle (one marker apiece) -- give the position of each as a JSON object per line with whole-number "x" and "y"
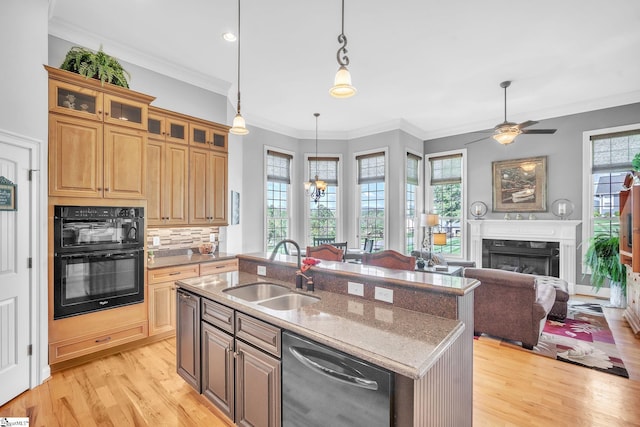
{"x": 302, "y": 354}
{"x": 104, "y": 254}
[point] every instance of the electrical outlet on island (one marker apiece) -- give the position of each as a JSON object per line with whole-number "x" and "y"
{"x": 383, "y": 294}
{"x": 262, "y": 270}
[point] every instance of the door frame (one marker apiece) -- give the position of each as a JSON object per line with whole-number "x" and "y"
{"x": 39, "y": 369}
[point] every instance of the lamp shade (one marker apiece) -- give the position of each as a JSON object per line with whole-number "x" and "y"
{"x": 506, "y": 136}
{"x": 439, "y": 239}
{"x": 239, "y": 127}
{"x": 433, "y": 220}
{"x": 342, "y": 84}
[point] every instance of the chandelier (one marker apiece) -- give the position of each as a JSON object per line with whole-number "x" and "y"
{"x": 239, "y": 126}
{"x": 342, "y": 83}
{"x": 316, "y": 188}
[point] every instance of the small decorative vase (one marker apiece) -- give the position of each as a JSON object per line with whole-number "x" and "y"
{"x": 420, "y": 263}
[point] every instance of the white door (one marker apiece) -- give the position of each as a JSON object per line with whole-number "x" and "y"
{"x": 15, "y": 277}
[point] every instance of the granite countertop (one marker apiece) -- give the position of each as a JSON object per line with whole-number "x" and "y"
{"x": 185, "y": 259}
{"x": 417, "y": 279}
{"x": 403, "y": 341}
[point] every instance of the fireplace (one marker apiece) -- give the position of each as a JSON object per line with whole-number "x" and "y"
{"x": 530, "y": 257}
{"x": 564, "y": 233}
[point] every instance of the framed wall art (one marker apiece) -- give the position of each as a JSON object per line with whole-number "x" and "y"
{"x": 235, "y": 208}
{"x": 520, "y": 185}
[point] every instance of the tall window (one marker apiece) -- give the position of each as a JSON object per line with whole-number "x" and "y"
{"x": 278, "y": 197}
{"x": 611, "y": 159}
{"x": 411, "y": 199}
{"x": 323, "y": 214}
{"x": 446, "y": 200}
{"x": 371, "y": 179}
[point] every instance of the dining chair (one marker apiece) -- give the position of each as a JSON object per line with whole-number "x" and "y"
{"x": 325, "y": 251}
{"x": 389, "y": 259}
{"x": 317, "y": 241}
{"x": 368, "y": 245}
{"x": 343, "y": 246}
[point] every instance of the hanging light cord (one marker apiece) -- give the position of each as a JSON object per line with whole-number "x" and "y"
{"x": 238, "y": 56}
{"x": 344, "y": 59}
{"x": 316, "y": 114}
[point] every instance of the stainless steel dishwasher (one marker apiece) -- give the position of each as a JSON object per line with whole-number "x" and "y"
{"x": 325, "y": 387}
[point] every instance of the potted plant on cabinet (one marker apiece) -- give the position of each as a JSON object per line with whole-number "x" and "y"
{"x": 97, "y": 65}
{"x": 603, "y": 258}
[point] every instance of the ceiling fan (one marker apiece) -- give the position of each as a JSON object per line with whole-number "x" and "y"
{"x": 506, "y": 132}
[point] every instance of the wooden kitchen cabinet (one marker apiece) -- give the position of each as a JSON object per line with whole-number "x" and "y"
{"x": 218, "y": 369}
{"x": 167, "y": 183}
{"x": 97, "y": 138}
{"x": 207, "y": 187}
{"x": 208, "y": 135}
{"x": 167, "y": 126}
{"x": 188, "y": 338}
{"x": 216, "y": 267}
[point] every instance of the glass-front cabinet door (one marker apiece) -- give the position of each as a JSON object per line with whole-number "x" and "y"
{"x": 78, "y": 101}
{"x": 167, "y": 128}
{"x": 125, "y": 112}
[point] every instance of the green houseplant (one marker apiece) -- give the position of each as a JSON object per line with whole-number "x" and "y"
{"x": 603, "y": 258}
{"x": 97, "y": 65}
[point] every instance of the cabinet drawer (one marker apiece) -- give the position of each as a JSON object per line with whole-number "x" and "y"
{"x": 171, "y": 274}
{"x": 218, "y": 267}
{"x": 218, "y": 315}
{"x": 261, "y": 334}
{"x": 72, "y": 348}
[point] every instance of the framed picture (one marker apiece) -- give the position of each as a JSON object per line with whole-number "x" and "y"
{"x": 7, "y": 195}
{"x": 520, "y": 185}
{"x": 235, "y": 208}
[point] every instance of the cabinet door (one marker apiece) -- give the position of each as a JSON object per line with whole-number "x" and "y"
{"x": 75, "y": 157}
{"x": 198, "y": 188}
{"x": 219, "y": 195}
{"x": 188, "y": 338}
{"x": 125, "y": 154}
{"x": 176, "y": 185}
{"x": 258, "y": 393}
{"x": 218, "y": 372}
{"x": 125, "y": 112}
{"x": 155, "y": 175}
{"x": 162, "y": 308}
{"x": 199, "y": 135}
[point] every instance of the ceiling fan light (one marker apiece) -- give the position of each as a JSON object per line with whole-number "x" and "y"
{"x": 239, "y": 126}
{"x": 342, "y": 84}
{"x": 506, "y": 136}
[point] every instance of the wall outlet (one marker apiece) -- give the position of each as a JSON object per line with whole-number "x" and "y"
{"x": 156, "y": 240}
{"x": 384, "y": 294}
{"x": 262, "y": 270}
{"x": 212, "y": 237}
{"x": 354, "y": 288}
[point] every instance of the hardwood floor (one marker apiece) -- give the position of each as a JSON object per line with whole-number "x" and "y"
{"x": 511, "y": 388}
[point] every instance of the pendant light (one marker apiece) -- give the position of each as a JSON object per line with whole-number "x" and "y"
{"x": 239, "y": 126}
{"x": 317, "y": 187}
{"x": 342, "y": 83}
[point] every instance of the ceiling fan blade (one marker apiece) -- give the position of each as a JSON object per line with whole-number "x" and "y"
{"x": 527, "y": 124}
{"x": 478, "y": 140}
{"x": 539, "y": 131}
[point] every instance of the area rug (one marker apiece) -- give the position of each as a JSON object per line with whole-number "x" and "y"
{"x": 583, "y": 339}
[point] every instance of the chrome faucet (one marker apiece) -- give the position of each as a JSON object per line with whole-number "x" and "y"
{"x": 284, "y": 242}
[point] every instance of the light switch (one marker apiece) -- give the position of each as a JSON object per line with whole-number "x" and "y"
{"x": 156, "y": 240}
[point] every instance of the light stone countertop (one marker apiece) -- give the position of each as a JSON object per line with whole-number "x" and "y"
{"x": 403, "y": 341}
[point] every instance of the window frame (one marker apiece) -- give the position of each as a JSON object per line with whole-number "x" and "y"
{"x": 588, "y": 184}
{"x": 428, "y": 198}
{"x": 290, "y": 191}
{"x": 339, "y": 204}
{"x": 357, "y": 202}
{"x": 417, "y": 242}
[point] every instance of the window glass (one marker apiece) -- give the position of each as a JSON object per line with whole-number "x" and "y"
{"x": 371, "y": 179}
{"x": 411, "y": 200}
{"x": 277, "y": 198}
{"x": 323, "y": 214}
{"x": 446, "y": 200}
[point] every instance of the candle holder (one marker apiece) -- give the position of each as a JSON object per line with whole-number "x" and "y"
{"x": 562, "y": 208}
{"x": 478, "y": 209}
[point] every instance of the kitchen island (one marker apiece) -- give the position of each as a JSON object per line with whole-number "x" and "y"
{"x": 430, "y": 354}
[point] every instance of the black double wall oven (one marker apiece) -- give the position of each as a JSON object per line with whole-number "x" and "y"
{"x": 98, "y": 258}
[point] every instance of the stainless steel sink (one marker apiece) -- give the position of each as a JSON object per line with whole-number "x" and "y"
{"x": 257, "y": 291}
{"x": 289, "y": 301}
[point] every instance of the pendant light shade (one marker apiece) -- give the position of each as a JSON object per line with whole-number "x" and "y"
{"x": 239, "y": 126}
{"x": 342, "y": 87}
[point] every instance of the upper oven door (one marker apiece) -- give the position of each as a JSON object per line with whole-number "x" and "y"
{"x": 111, "y": 228}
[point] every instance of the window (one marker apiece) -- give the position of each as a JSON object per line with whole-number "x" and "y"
{"x": 611, "y": 156}
{"x": 411, "y": 200}
{"x": 446, "y": 190}
{"x": 371, "y": 179}
{"x": 278, "y": 197}
{"x": 323, "y": 215}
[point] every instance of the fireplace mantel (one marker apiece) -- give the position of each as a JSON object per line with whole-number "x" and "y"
{"x": 564, "y": 232}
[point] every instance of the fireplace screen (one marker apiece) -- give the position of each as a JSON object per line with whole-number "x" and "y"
{"x": 541, "y": 258}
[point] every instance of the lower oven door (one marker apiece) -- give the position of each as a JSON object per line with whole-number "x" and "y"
{"x": 93, "y": 281}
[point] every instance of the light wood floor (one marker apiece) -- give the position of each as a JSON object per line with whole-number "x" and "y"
{"x": 511, "y": 388}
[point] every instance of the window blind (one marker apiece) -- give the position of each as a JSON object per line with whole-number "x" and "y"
{"x": 446, "y": 169}
{"x": 413, "y": 163}
{"x": 325, "y": 167}
{"x": 370, "y": 168}
{"x": 279, "y": 167}
{"x": 614, "y": 152}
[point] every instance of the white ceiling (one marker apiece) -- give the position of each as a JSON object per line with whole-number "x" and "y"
{"x": 431, "y": 68}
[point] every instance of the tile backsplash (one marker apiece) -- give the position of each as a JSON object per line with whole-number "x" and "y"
{"x": 179, "y": 238}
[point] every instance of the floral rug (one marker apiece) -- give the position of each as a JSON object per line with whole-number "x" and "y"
{"x": 583, "y": 339}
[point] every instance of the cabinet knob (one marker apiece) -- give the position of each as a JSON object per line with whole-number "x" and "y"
{"x": 99, "y": 189}
{"x": 106, "y": 189}
{"x": 106, "y": 113}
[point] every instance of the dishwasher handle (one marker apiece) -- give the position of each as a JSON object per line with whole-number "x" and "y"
{"x": 301, "y": 354}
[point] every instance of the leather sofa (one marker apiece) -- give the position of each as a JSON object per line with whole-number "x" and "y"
{"x": 511, "y": 305}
